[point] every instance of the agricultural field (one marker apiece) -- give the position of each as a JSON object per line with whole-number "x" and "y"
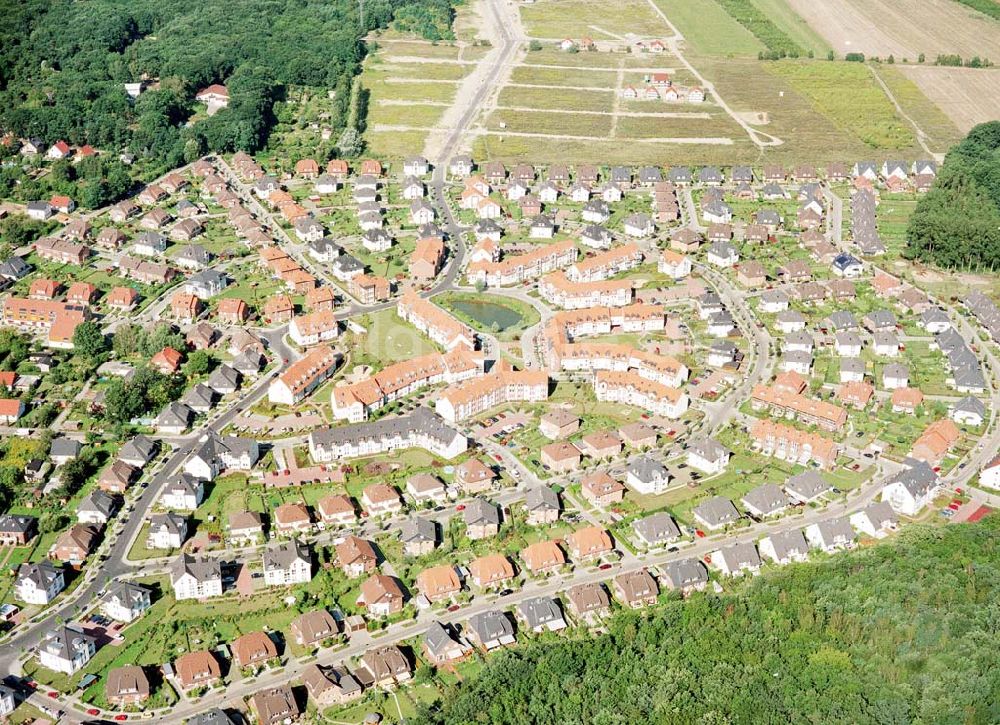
{"x": 967, "y": 95}
{"x": 903, "y": 28}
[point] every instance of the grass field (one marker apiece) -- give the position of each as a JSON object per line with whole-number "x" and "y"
{"x": 708, "y": 29}
{"x": 557, "y": 99}
{"x": 719, "y": 125}
{"x": 967, "y": 95}
{"x": 573, "y": 124}
{"x": 561, "y": 77}
{"x": 558, "y": 19}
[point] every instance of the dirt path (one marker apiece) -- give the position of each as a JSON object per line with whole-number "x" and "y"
{"x": 488, "y": 23}
{"x": 921, "y": 136}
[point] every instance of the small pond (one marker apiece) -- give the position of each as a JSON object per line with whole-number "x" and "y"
{"x": 489, "y": 313}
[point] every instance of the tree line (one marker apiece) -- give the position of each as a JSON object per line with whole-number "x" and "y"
{"x": 894, "y": 633}
{"x": 63, "y": 66}
{"x": 957, "y": 223}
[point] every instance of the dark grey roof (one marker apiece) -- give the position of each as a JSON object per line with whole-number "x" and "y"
{"x": 539, "y": 611}
{"x": 835, "y": 530}
{"x": 175, "y": 414}
{"x": 283, "y": 555}
{"x": 422, "y": 420}
{"x": 17, "y": 523}
{"x": 789, "y": 543}
{"x": 173, "y": 523}
{"x": 895, "y": 370}
{"x": 717, "y": 511}
{"x": 491, "y": 625}
{"x": 223, "y": 378}
{"x": 127, "y": 594}
{"x": 479, "y": 511}
{"x": 64, "y": 641}
{"x": 918, "y": 478}
{"x": 807, "y": 485}
{"x": 65, "y": 447}
{"x": 541, "y": 498}
{"x": 418, "y": 530}
{"x": 741, "y": 555}
{"x": 97, "y": 500}
{"x": 969, "y": 404}
{"x": 708, "y": 448}
{"x": 139, "y": 448}
{"x": 657, "y": 528}
{"x": 647, "y": 469}
{"x": 684, "y": 573}
{"x": 766, "y": 498}
{"x": 439, "y": 637}
{"x": 852, "y": 365}
{"x": 215, "y": 716}
{"x": 842, "y": 320}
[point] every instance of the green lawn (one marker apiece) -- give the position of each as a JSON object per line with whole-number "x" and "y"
{"x": 708, "y": 29}
{"x": 388, "y": 340}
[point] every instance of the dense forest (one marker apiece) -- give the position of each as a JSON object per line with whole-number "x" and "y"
{"x": 63, "y": 65}
{"x": 957, "y": 223}
{"x": 903, "y": 632}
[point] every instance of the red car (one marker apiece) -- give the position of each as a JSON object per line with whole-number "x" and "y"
{"x": 954, "y": 506}
{"x": 454, "y": 608}
{"x": 498, "y": 457}
{"x": 699, "y": 533}
{"x": 604, "y": 567}
{"x": 460, "y": 507}
{"x": 53, "y": 694}
{"x": 93, "y": 712}
{"x": 121, "y": 718}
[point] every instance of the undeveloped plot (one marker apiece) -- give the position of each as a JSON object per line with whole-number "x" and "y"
{"x": 558, "y": 19}
{"x": 673, "y": 127}
{"x": 556, "y": 98}
{"x": 967, "y": 95}
{"x": 904, "y": 28}
{"x": 612, "y": 151}
{"x": 590, "y": 78}
{"x": 571, "y": 124}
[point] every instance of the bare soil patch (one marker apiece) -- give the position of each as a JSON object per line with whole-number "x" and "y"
{"x": 904, "y": 28}
{"x": 968, "y": 96}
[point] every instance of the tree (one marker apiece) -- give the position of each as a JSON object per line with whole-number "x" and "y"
{"x": 350, "y": 144}
{"x": 198, "y": 363}
{"x": 88, "y": 340}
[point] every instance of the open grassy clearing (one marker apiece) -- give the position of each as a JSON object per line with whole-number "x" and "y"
{"x": 421, "y": 48}
{"x": 783, "y": 16}
{"x": 582, "y": 18}
{"x": 967, "y": 95}
{"x": 551, "y": 55}
{"x": 418, "y": 71}
{"x": 412, "y": 115}
{"x": 573, "y": 124}
{"x": 941, "y": 131}
{"x": 560, "y": 77}
{"x": 721, "y": 126}
{"x": 518, "y": 96}
{"x": 679, "y": 108}
{"x": 904, "y": 28}
{"x": 395, "y": 144}
{"x": 709, "y": 29}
